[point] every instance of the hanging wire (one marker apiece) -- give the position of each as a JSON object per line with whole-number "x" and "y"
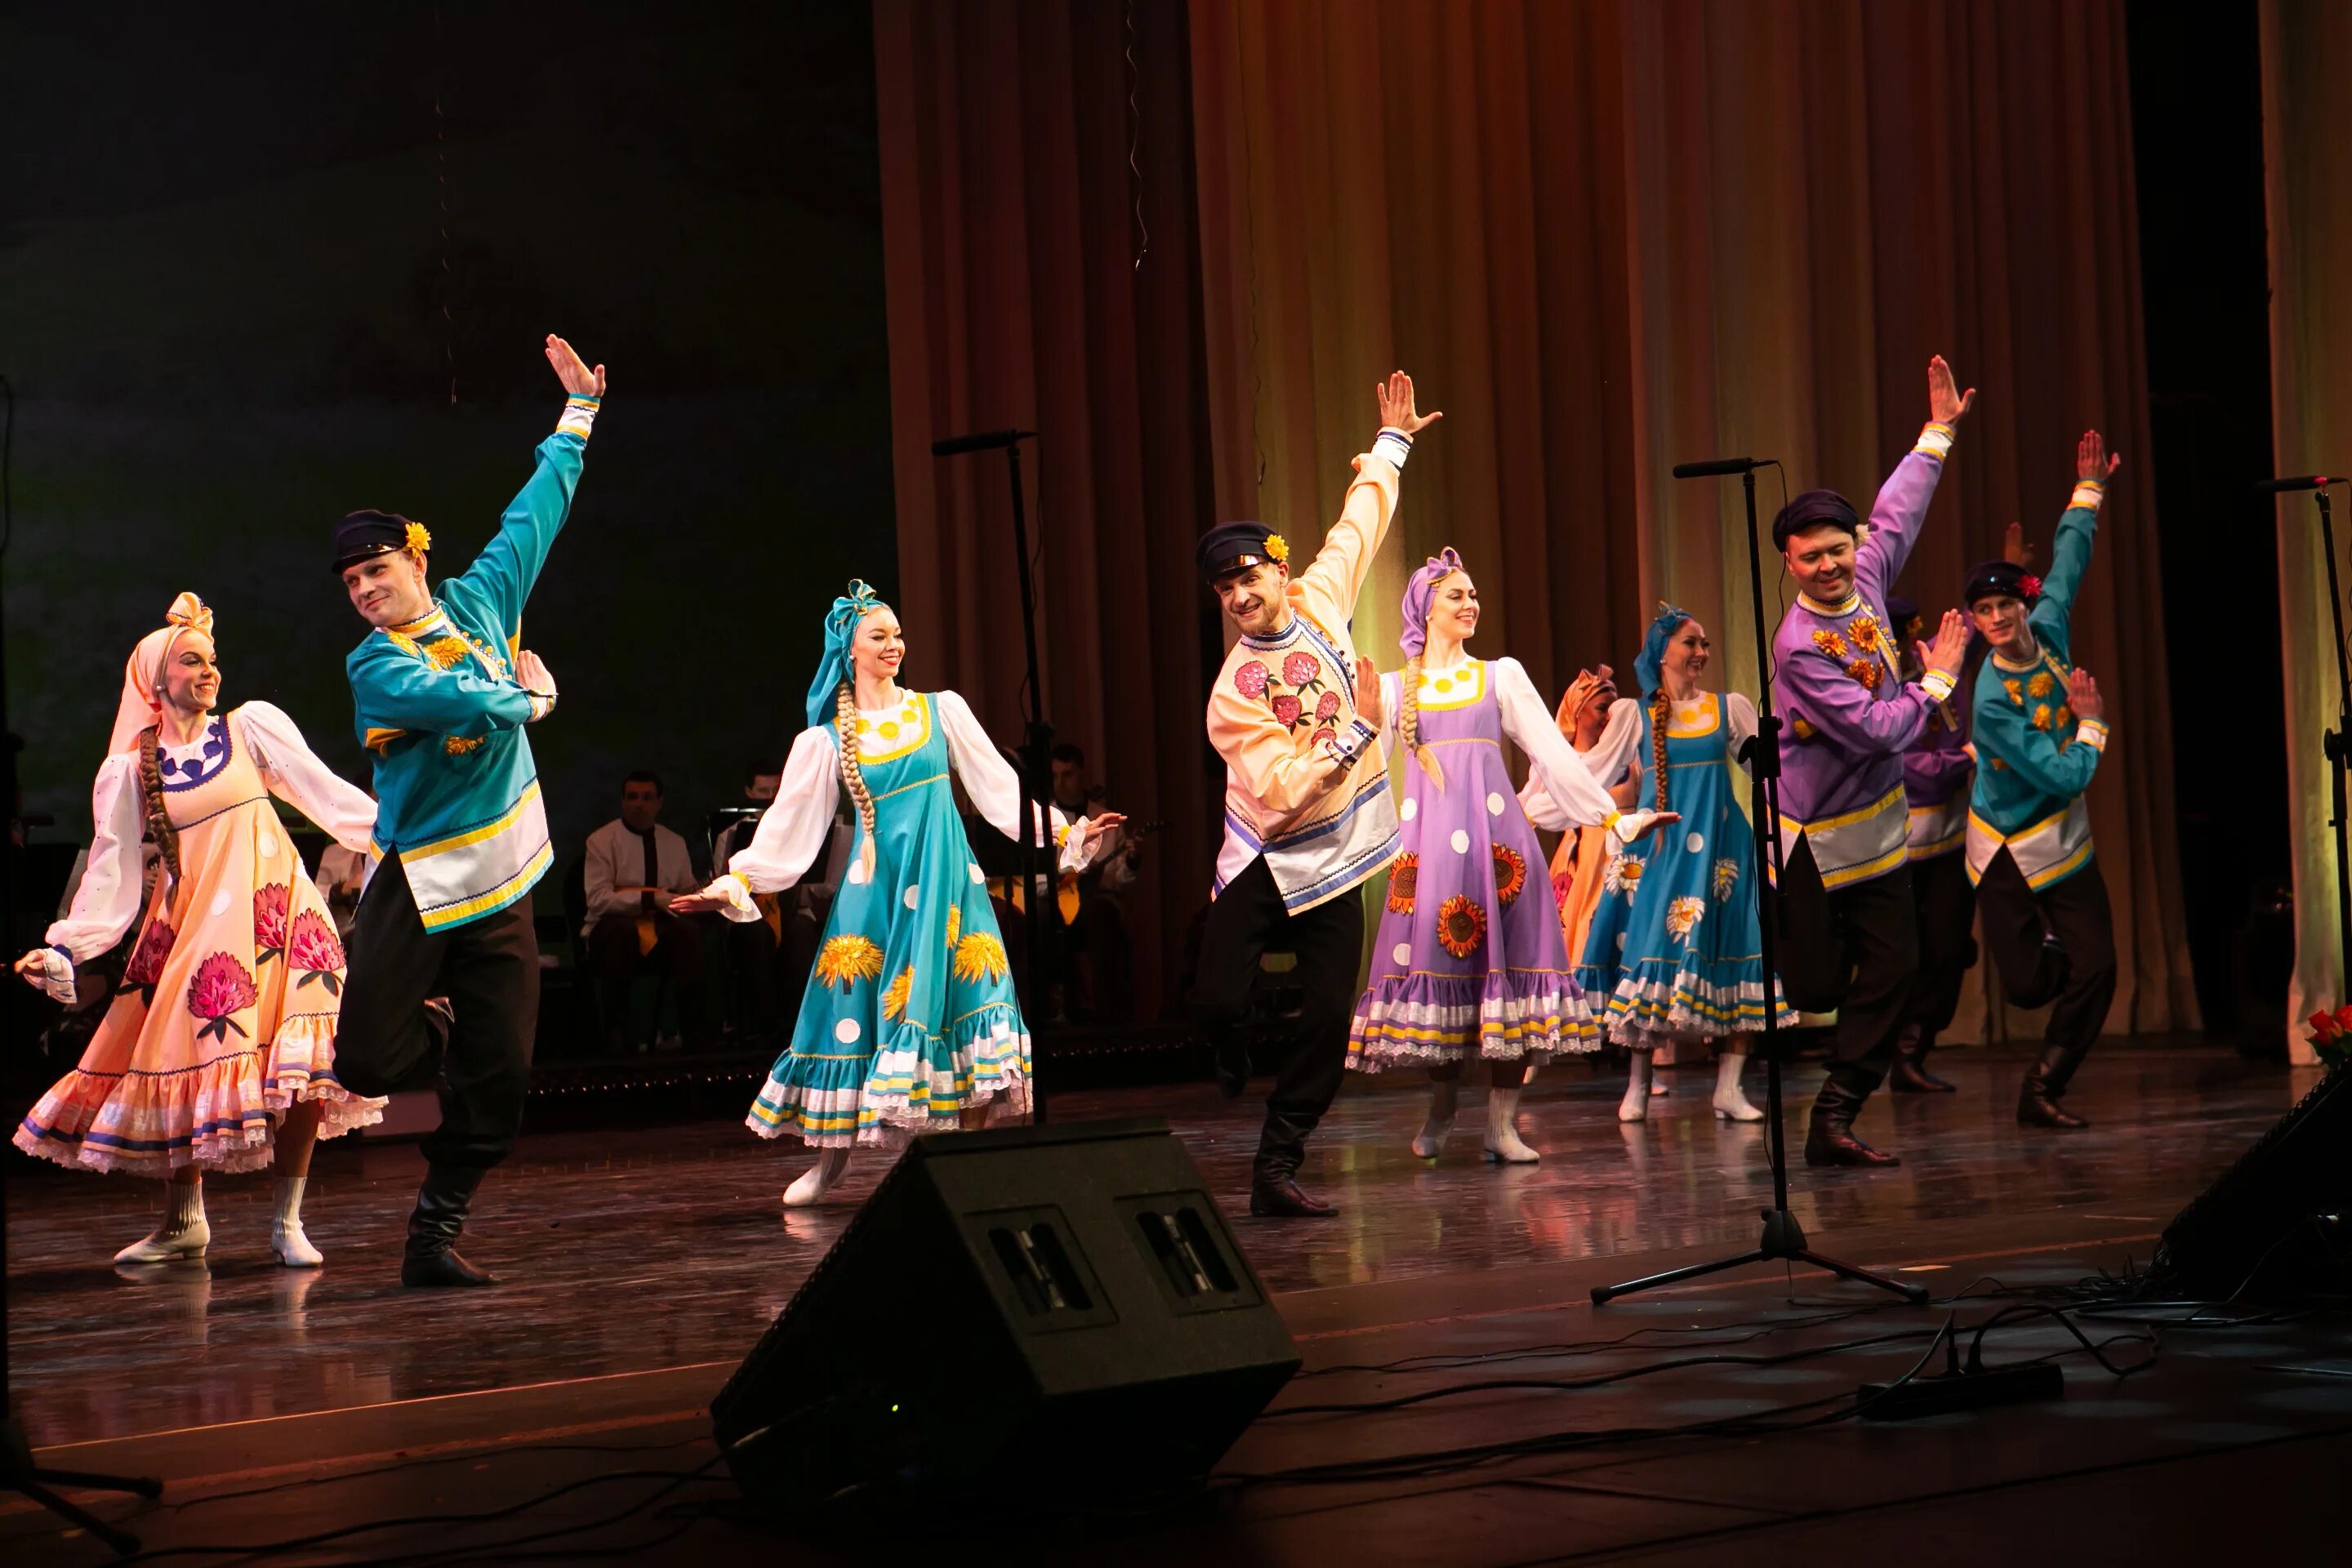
{"x": 1135, "y": 142}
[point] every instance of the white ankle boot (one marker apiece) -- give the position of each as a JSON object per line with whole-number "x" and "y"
{"x": 1440, "y": 1120}
{"x": 183, "y": 1234}
{"x": 818, "y": 1179}
{"x": 286, "y": 1236}
{"x": 1731, "y": 1103}
{"x": 1635, "y": 1107}
{"x": 1503, "y": 1145}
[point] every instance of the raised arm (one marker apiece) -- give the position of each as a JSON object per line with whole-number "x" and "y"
{"x": 1902, "y": 503}
{"x": 792, "y": 834}
{"x": 1336, "y": 575}
{"x": 2070, "y": 552}
{"x": 296, "y": 775}
{"x": 501, "y": 576}
{"x": 994, "y": 787}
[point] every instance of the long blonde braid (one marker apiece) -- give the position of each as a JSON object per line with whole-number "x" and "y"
{"x": 853, "y": 775}
{"x": 1660, "y": 711}
{"x": 1408, "y": 723}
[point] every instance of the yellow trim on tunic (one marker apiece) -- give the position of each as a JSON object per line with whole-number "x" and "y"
{"x": 476, "y": 836}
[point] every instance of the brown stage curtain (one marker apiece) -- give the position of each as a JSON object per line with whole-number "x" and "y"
{"x": 2306, "y": 48}
{"x": 1605, "y": 238}
{"x": 1015, "y": 297}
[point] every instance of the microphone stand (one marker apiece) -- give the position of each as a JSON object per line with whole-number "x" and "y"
{"x": 2336, "y": 744}
{"x": 1783, "y": 1240}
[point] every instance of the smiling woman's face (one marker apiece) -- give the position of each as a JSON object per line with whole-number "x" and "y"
{"x": 879, "y": 646}
{"x": 191, "y": 675}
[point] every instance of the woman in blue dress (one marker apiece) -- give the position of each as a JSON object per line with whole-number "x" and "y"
{"x": 909, "y": 1019}
{"x": 1675, "y": 946}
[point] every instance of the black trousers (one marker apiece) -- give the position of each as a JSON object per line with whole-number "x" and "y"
{"x": 1853, "y": 949}
{"x": 1246, "y": 923}
{"x": 489, "y": 969}
{"x": 2077, "y": 977}
{"x": 1948, "y": 945}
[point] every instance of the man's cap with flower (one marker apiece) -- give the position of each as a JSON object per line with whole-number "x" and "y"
{"x": 1998, "y": 578}
{"x": 1236, "y": 546}
{"x": 362, "y": 535}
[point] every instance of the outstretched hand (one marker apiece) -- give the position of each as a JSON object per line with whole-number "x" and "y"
{"x": 2092, "y": 458}
{"x": 2013, "y": 547}
{"x": 1367, "y": 692}
{"x": 1950, "y": 645}
{"x": 1397, "y": 412}
{"x": 577, "y": 378}
{"x": 1946, "y": 405}
{"x": 32, "y": 967}
{"x": 1095, "y": 826}
{"x": 2082, "y": 695}
{"x": 705, "y": 903}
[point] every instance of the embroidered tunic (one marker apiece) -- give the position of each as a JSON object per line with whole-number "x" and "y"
{"x": 437, "y": 700}
{"x": 2037, "y": 760}
{"x": 1283, "y": 716}
{"x": 909, "y": 1016}
{"x": 1850, "y": 715}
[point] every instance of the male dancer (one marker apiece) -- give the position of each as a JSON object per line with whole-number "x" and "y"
{"x": 2039, "y": 737}
{"x": 442, "y": 688}
{"x": 1936, "y": 769}
{"x": 1845, "y": 888}
{"x": 1307, "y": 814}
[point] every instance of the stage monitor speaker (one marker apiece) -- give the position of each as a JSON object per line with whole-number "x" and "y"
{"x": 2269, "y": 1227}
{"x": 1038, "y": 1312}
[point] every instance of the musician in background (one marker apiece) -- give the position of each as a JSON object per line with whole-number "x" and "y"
{"x": 1091, "y": 902}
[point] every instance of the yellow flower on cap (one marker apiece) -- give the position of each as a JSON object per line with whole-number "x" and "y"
{"x": 418, "y": 537}
{"x": 1277, "y": 549}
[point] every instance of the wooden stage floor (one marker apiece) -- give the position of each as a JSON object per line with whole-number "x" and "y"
{"x": 640, "y": 1266}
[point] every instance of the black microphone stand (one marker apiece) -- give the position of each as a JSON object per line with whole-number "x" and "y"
{"x": 1036, "y": 861}
{"x": 18, "y": 1473}
{"x": 2336, "y": 745}
{"x": 1783, "y": 1239}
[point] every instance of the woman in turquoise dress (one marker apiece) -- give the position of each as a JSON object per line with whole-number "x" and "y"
{"x": 909, "y": 1020}
{"x": 1675, "y": 946}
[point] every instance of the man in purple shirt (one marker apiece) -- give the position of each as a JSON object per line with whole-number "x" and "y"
{"x": 1845, "y": 887}
{"x": 1937, "y": 769}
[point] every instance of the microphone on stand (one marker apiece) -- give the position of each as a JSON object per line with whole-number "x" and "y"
{"x": 1714, "y": 466}
{"x": 2301, "y": 483}
{"x": 984, "y": 441}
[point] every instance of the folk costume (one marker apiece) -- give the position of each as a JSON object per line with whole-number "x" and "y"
{"x": 2039, "y": 888}
{"x": 1583, "y": 858}
{"x": 1468, "y": 961}
{"x": 1936, "y": 774}
{"x": 1846, "y": 888}
{"x": 464, "y": 839}
{"x": 1675, "y": 951}
{"x": 1308, "y": 817}
{"x": 226, "y": 1016}
{"x": 909, "y": 1017}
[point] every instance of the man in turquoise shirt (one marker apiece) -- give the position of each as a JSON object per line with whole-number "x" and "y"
{"x": 2037, "y": 735}
{"x": 441, "y": 687}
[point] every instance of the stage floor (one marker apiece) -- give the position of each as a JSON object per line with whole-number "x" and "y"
{"x": 640, "y": 1266}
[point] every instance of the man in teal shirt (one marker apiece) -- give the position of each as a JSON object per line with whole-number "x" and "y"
{"x": 441, "y": 687}
{"x": 2038, "y": 735}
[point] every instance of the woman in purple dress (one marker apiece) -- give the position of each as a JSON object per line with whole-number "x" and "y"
{"x": 1469, "y": 961}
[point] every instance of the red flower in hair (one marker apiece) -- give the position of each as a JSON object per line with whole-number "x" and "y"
{"x": 1286, "y": 709}
{"x": 2029, "y": 587}
{"x": 315, "y": 950}
{"x": 269, "y": 919}
{"x": 221, "y": 990}
{"x": 1325, "y": 706}
{"x": 1302, "y": 668}
{"x": 1250, "y": 679}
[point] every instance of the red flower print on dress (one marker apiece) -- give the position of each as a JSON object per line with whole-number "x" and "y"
{"x": 1404, "y": 875}
{"x": 146, "y": 965}
{"x": 221, "y": 990}
{"x": 1460, "y": 925}
{"x": 1303, "y": 668}
{"x": 315, "y": 950}
{"x": 1250, "y": 679}
{"x": 1325, "y": 706}
{"x": 1510, "y": 874}
{"x": 269, "y": 919}
{"x": 1287, "y": 709}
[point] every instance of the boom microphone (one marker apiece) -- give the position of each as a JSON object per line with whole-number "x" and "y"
{"x": 2301, "y": 483}
{"x": 1714, "y": 466}
{"x": 985, "y": 441}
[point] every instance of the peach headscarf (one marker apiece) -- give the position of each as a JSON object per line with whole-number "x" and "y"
{"x": 143, "y": 673}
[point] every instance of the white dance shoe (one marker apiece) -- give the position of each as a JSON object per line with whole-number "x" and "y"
{"x": 1503, "y": 1144}
{"x": 818, "y": 1179}
{"x": 1440, "y": 1120}
{"x": 286, "y": 1236}
{"x": 185, "y": 1233}
{"x": 1635, "y": 1106}
{"x": 1732, "y": 1102}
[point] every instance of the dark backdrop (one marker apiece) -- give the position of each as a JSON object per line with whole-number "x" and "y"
{"x": 261, "y": 265}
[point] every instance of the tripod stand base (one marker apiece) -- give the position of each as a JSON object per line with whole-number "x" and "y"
{"x": 1783, "y": 1242}
{"x": 18, "y": 1474}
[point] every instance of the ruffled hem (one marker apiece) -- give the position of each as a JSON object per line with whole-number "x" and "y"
{"x": 1520, "y": 1015}
{"x": 302, "y": 1068}
{"x": 905, "y": 1089}
{"x": 1683, "y": 1007}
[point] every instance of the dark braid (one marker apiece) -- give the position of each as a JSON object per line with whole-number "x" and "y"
{"x": 1659, "y": 708}
{"x": 151, "y": 787}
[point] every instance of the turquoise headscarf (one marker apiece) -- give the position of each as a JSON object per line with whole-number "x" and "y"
{"x": 1649, "y": 666}
{"x": 840, "y": 626}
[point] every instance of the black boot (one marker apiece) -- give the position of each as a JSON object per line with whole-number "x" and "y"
{"x": 2037, "y": 1101}
{"x": 1830, "y": 1141}
{"x": 431, "y": 1256}
{"x": 1911, "y": 1074}
{"x": 1275, "y": 1192}
{"x": 1231, "y": 1062}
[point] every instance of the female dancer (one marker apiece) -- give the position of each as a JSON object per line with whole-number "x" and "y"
{"x": 1674, "y": 945}
{"x": 1465, "y": 964}
{"x": 910, "y": 1018}
{"x": 234, "y": 1068}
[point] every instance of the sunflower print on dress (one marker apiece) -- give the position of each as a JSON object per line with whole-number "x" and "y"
{"x": 1510, "y": 874}
{"x": 980, "y": 956}
{"x": 1460, "y": 925}
{"x": 1404, "y": 877}
{"x": 844, "y": 961}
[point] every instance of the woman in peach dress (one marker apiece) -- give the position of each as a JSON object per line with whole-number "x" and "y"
{"x": 218, "y": 1051}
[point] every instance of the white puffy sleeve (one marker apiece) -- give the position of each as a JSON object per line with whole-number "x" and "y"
{"x": 296, "y": 775}
{"x": 1741, "y": 714}
{"x": 792, "y": 833}
{"x": 990, "y": 783}
{"x": 107, "y": 900}
{"x": 1574, "y": 793}
{"x": 1392, "y": 700}
{"x": 1613, "y": 753}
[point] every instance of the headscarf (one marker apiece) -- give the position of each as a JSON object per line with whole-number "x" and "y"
{"x": 840, "y": 627}
{"x": 1417, "y": 595}
{"x": 141, "y": 706}
{"x": 1649, "y": 666}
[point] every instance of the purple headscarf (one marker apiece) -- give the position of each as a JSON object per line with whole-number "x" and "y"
{"x": 1417, "y": 595}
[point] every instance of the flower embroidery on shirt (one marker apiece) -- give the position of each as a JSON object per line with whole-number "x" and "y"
{"x": 2041, "y": 715}
{"x": 1802, "y": 730}
{"x": 446, "y": 653}
{"x": 1865, "y": 627}
{"x": 1829, "y": 643}
{"x": 2016, "y": 691}
{"x": 1250, "y": 680}
{"x": 1303, "y": 671}
{"x": 2041, "y": 685}
{"x": 460, "y": 745}
{"x": 1868, "y": 671}
{"x": 405, "y": 643}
